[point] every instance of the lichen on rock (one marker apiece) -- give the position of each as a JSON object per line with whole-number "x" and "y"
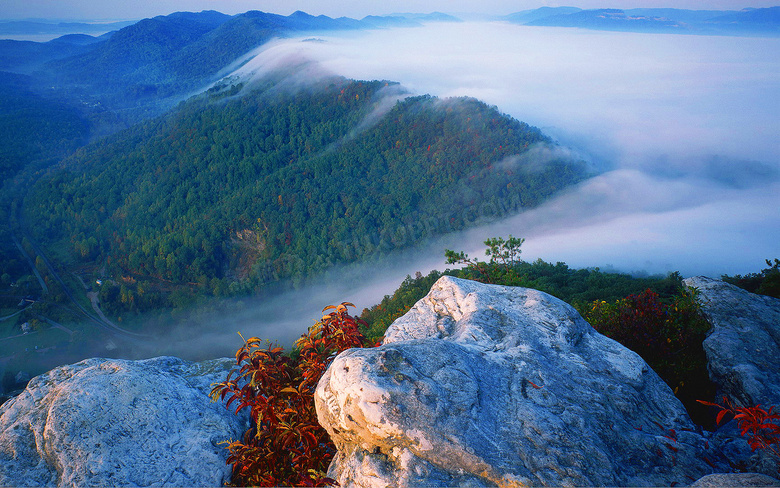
{"x": 486, "y": 385}
{"x": 112, "y": 422}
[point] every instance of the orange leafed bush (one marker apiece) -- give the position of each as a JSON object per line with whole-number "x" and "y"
{"x": 286, "y": 446}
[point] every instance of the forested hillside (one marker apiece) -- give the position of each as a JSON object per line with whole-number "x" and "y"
{"x": 34, "y": 128}
{"x": 167, "y": 57}
{"x": 139, "y": 56}
{"x": 231, "y": 193}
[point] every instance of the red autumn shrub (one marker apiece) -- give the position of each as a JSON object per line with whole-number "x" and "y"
{"x": 286, "y": 446}
{"x": 668, "y": 335}
{"x": 760, "y": 427}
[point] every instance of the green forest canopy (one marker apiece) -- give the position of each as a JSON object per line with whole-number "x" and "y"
{"x": 234, "y": 192}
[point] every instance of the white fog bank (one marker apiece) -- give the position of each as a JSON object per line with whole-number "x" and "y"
{"x": 684, "y": 128}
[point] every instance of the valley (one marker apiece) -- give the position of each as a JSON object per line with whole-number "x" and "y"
{"x": 193, "y": 167}
{"x": 251, "y": 188}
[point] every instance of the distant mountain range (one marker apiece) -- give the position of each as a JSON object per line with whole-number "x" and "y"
{"x": 749, "y": 21}
{"x": 29, "y": 27}
{"x": 297, "y": 21}
{"x": 161, "y": 58}
{"x": 759, "y": 21}
{"x": 142, "y": 69}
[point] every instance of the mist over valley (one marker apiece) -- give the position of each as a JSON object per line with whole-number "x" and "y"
{"x": 682, "y": 129}
{"x": 244, "y": 185}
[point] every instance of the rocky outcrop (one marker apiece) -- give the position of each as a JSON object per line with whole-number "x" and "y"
{"x": 484, "y": 385}
{"x": 731, "y": 480}
{"x": 743, "y": 359}
{"x": 108, "y": 422}
{"x": 478, "y": 385}
{"x": 743, "y": 346}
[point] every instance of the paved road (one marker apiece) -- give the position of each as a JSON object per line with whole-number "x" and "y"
{"x": 95, "y": 300}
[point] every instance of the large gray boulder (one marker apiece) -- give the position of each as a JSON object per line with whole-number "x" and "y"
{"x": 484, "y": 385}
{"x": 743, "y": 360}
{"x": 110, "y": 422}
{"x": 743, "y": 346}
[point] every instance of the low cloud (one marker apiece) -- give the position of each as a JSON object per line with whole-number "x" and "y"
{"x": 538, "y": 156}
{"x": 683, "y": 127}
{"x": 632, "y": 222}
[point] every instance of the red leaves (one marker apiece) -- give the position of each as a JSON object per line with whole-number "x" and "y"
{"x": 667, "y": 333}
{"x": 286, "y": 446}
{"x": 720, "y": 416}
{"x": 762, "y": 427}
{"x": 672, "y": 435}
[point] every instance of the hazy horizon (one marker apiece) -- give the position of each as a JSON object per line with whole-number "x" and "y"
{"x": 93, "y": 10}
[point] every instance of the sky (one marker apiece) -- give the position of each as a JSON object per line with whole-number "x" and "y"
{"x": 137, "y": 9}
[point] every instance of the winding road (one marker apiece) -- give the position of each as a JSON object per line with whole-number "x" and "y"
{"x": 100, "y": 320}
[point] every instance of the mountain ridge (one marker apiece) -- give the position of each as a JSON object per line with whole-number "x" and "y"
{"x": 246, "y": 180}
{"x": 760, "y": 21}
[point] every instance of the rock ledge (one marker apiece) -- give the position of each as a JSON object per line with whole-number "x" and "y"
{"x": 484, "y": 385}
{"x": 110, "y": 422}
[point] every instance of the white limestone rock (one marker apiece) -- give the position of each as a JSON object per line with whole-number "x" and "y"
{"x": 743, "y": 360}
{"x": 743, "y": 346}
{"x": 484, "y": 385}
{"x": 110, "y": 422}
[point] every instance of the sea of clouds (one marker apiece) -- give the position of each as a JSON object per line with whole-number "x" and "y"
{"x": 683, "y": 131}
{"x": 683, "y": 128}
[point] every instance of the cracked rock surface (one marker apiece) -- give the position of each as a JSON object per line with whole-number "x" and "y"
{"x": 743, "y": 346}
{"x": 110, "y": 422}
{"x": 486, "y": 385}
{"x": 743, "y": 360}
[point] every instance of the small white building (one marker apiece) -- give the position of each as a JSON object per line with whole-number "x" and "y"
{"x": 26, "y": 328}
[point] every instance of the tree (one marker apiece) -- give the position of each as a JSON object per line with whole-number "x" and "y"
{"x": 507, "y": 251}
{"x": 504, "y": 254}
{"x": 765, "y": 282}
